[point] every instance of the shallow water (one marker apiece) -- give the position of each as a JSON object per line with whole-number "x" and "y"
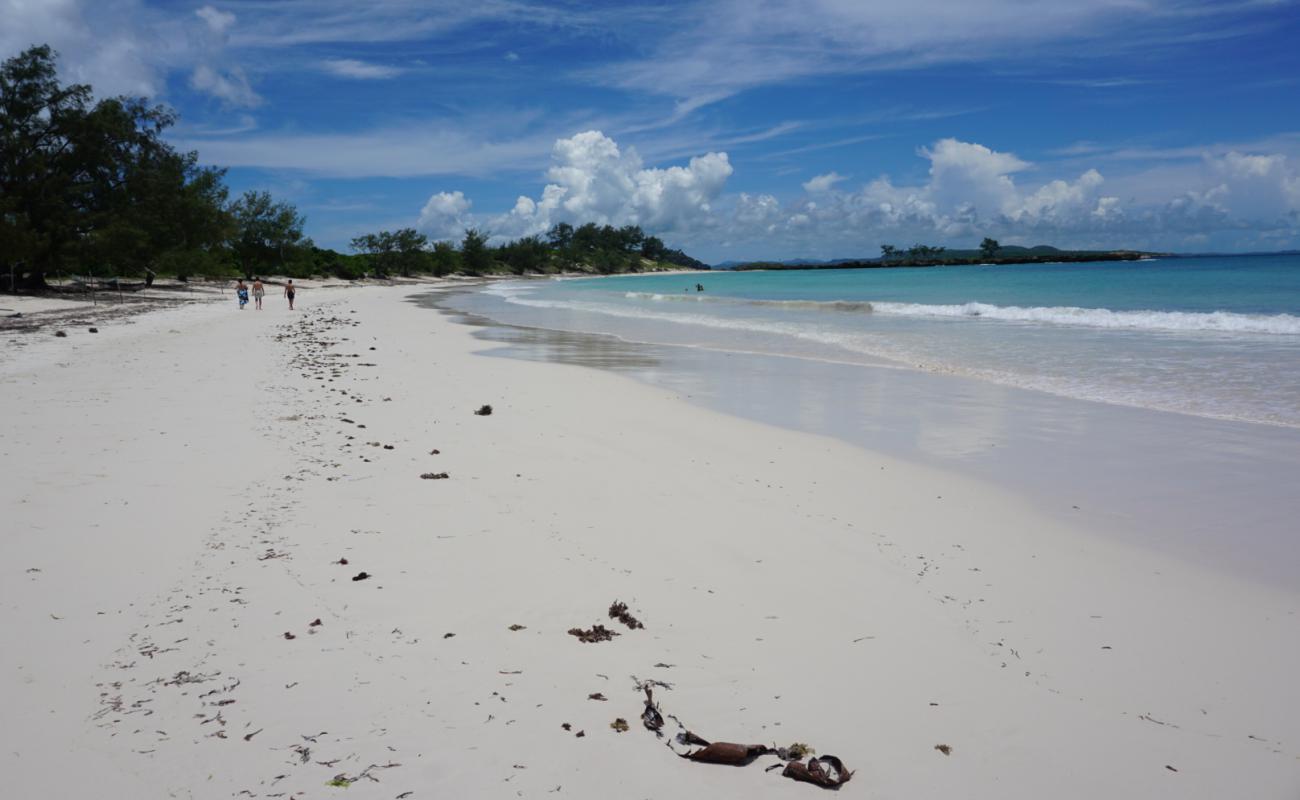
{"x": 1216, "y": 492}
{"x": 1217, "y": 337}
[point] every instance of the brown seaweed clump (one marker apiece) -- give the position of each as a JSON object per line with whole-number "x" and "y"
{"x": 596, "y": 633}
{"x": 827, "y": 772}
{"x": 618, "y": 610}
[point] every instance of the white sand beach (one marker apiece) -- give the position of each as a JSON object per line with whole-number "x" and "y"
{"x": 180, "y": 489}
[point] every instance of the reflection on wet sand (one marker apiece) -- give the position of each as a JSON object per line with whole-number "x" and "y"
{"x": 1170, "y": 481}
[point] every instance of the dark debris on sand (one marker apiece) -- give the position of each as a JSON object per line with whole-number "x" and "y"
{"x": 618, "y": 610}
{"x": 596, "y": 633}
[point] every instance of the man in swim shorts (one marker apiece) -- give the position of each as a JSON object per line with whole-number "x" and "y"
{"x": 289, "y": 292}
{"x": 258, "y": 292}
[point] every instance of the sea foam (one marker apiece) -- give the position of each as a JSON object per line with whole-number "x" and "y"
{"x": 1189, "y": 321}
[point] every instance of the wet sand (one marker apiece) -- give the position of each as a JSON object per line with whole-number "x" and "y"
{"x": 1216, "y": 492}
{"x": 180, "y": 495}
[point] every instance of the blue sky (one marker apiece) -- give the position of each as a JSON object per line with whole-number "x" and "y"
{"x": 736, "y": 130}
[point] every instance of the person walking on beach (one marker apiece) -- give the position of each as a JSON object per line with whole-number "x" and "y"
{"x": 259, "y": 291}
{"x": 241, "y": 291}
{"x": 289, "y": 292}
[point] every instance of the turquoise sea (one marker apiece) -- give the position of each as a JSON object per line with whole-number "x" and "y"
{"x": 1209, "y": 336}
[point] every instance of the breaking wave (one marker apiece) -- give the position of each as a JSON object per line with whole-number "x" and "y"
{"x": 1213, "y": 321}
{"x": 1188, "y": 321}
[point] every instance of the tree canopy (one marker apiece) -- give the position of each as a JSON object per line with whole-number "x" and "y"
{"x": 94, "y": 182}
{"x": 92, "y": 185}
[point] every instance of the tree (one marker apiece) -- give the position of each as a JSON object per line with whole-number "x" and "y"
{"x": 266, "y": 233}
{"x": 94, "y": 181}
{"x": 411, "y": 254}
{"x": 474, "y": 255}
{"x": 989, "y": 249}
{"x": 39, "y": 120}
{"x": 560, "y": 235}
{"x": 652, "y": 247}
{"x": 170, "y": 208}
{"x": 888, "y": 252}
{"x": 529, "y": 254}
{"x": 445, "y": 258}
{"x": 381, "y": 248}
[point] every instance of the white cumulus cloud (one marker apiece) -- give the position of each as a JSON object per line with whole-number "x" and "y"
{"x": 822, "y": 183}
{"x": 971, "y": 191}
{"x": 98, "y": 43}
{"x": 446, "y": 215}
{"x": 592, "y": 179}
{"x": 1238, "y": 199}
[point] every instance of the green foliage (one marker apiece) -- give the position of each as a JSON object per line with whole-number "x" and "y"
{"x": 989, "y": 248}
{"x": 402, "y": 252}
{"x": 91, "y": 185}
{"x": 529, "y": 254}
{"x": 266, "y": 235}
{"x": 475, "y": 257}
{"x": 924, "y": 252}
{"x": 445, "y": 258}
{"x": 207, "y": 264}
{"x": 606, "y": 249}
{"x": 94, "y": 183}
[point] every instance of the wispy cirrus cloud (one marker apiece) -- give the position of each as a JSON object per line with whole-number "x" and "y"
{"x": 231, "y": 87}
{"x": 765, "y": 42}
{"x": 306, "y": 22}
{"x": 401, "y": 151}
{"x": 359, "y": 70}
{"x": 217, "y": 20}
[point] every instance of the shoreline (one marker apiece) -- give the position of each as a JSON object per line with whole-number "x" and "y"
{"x": 1183, "y": 480}
{"x": 802, "y": 589}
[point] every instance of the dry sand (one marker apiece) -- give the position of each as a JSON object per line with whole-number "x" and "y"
{"x": 177, "y": 493}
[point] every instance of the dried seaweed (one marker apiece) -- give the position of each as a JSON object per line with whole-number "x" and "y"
{"x": 596, "y": 633}
{"x": 827, "y": 772}
{"x": 618, "y": 610}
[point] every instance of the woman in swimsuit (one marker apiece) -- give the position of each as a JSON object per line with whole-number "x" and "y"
{"x": 258, "y": 292}
{"x": 241, "y": 291}
{"x": 289, "y": 292}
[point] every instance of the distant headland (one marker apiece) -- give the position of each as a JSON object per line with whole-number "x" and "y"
{"x": 920, "y": 255}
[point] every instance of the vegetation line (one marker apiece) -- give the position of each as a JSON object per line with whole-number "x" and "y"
{"x": 91, "y": 187}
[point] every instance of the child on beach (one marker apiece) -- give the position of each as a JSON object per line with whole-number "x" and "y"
{"x": 241, "y": 291}
{"x": 289, "y": 292}
{"x": 258, "y": 292}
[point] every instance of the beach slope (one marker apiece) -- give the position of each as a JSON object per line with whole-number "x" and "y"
{"x": 225, "y": 575}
